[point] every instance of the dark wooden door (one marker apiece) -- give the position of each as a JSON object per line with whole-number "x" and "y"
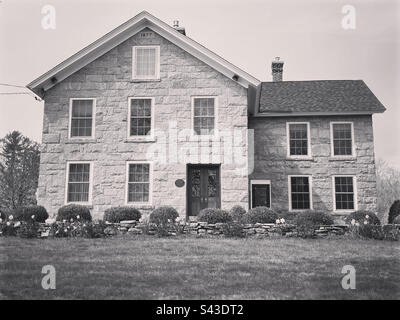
{"x": 203, "y": 188}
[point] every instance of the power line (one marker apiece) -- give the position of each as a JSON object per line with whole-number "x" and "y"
{"x": 28, "y": 93}
{"x": 11, "y": 85}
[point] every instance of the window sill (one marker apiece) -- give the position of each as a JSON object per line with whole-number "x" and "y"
{"x": 342, "y": 213}
{"x": 305, "y": 158}
{"x": 145, "y": 80}
{"x": 141, "y": 206}
{"x": 85, "y": 204}
{"x": 81, "y": 140}
{"x": 140, "y": 139}
{"x": 342, "y": 158}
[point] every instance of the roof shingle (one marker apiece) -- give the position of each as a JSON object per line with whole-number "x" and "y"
{"x": 321, "y": 96}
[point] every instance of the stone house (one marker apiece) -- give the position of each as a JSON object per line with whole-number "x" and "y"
{"x": 145, "y": 116}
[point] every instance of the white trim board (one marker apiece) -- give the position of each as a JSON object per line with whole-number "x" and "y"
{"x": 353, "y": 146}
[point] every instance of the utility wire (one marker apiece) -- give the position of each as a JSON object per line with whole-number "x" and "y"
{"x": 16, "y": 86}
{"x": 11, "y": 85}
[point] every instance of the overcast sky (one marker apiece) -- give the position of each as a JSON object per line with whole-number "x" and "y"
{"x": 307, "y": 34}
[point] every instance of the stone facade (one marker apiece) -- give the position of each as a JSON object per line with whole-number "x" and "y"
{"x": 109, "y": 80}
{"x": 271, "y": 161}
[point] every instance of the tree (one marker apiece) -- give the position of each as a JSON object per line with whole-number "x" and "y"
{"x": 388, "y": 188}
{"x": 19, "y": 170}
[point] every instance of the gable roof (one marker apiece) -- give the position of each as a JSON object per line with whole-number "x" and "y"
{"x": 125, "y": 31}
{"x": 317, "y": 97}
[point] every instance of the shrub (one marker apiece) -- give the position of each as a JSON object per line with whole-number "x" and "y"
{"x": 7, "y": 228}
{"x": 391, "y": 233}
{"x": 74, "y": 212}
{"x": 394, "y": 211}
{"x": 260, "y": 215}
{"x": 78, "y": 229}
{"x": 26, "y": 213}
{"x": 396, "y": 220}
{"x": 5, "y": 213}
{"x": 163, "y": 218}
{"x": 289, "y": 216}
{"x": 233, "y": 230}
{"x": 361, "y": 216}
{"x": 307, "y": 221}
{"x": 29, "y": 229}
{"x": 118, "y": 214}
{"x": 237, "y": 212}
{"x": 213, "y": 215}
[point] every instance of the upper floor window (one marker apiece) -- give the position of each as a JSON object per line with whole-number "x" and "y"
{"x": 140, "y": 116}
{"x": 79, "y": 175}
{"x": 81, "y": 118}
{"x": 298, "y": 134}
{"x": 342, "y": 139}
{"x": 344, "y": 193}
{"x": 146, "y": 62}
{"x": 203, "y": 110}
{"x": 300, "y": 196}
{"x": 138, "y": 183}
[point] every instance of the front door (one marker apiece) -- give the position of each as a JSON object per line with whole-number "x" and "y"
{"x": 203, "y": 188}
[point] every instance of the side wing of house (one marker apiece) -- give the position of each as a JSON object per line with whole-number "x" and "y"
{"x": 145, "y": 124}
{"x": 314, "y": 147}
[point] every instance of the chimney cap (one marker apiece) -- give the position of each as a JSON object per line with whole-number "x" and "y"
{"x": 277, "y": 60}
{"x": 176, "y": 24}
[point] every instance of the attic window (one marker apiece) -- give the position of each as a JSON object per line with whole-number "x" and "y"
{"x": 146, "y": 63}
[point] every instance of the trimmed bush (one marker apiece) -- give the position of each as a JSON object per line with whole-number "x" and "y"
{"x": 164, "y": 218}
{"x": 361, "y": 216}
{"x": 213, "y": 215}
{"x": 74, "y": 212}
{"x": 237, "y": 212}
{"x": 394, "y": 211}
{"x": 118, "y": 214}
{"x": 307, "y": 221}
{"x": 260, "y": 215}
{"x": 26, "y": 213}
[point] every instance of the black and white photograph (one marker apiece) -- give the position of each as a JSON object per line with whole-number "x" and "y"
{"x": 199, "y": 155}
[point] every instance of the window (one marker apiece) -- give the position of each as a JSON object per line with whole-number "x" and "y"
{"x": 138, "y": 180}
{"x": 140, "y": 116}
{"x": 260, "y": 193}
{"x": 298, "y": 134}
{"x": 79, "y": 175}
{"x": 344, "y": 195}
{"x": 146, "y": 62}
{"x": 203, "y": 115}
{"x": 300, "y": 193}
{"x": 342, "y": 138}
{"x": 81, "y": 118}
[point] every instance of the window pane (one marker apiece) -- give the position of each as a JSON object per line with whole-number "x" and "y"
{"x": 261, "y": 195}
{"x": 140, "y": 117}
{"x": 342, "y": 139}
{"x": 78, "y": 182}
{"x": 81, "y": 118}
{"x": 204, "y": 116}
{"x": 138, "y": 182}
{"x": 145, "y": 62}
{"x": 300, "y": 192}
{"x": 344, "y": 193}
{"x": 298, "y": 142}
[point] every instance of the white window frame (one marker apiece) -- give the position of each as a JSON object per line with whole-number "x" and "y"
{"x": 256, "y": 181}
{"x": 150, "y": 202}
{"x": 353, "y": 146}
{"x": 91, "y": 176}
{"x": 157, "y": 67}
{"x": 193, "y": 133}
{"x": 93, "y": 119}
{"x": 355, "y": 192}
{"x": 290, "y": 191}
{"x": 141, "y": 138}
{"x": 308, "y": 155}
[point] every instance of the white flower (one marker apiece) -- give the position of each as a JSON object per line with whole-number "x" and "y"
{"x": 72, "y": 220}
{"x": 33, "y": 216}
{"x": 65, "y": 230}
{"x": 10, "y": 217}
{"x": 353, "y": 222}
{"x": 1, "y": 220}
{"x": 367, "y": 216}
{"x": 282, "y": 220}
{"x": 78, "y": 217}
{"x": 357, "y": 224}
{"x": 64, "y": 220}
{"x": 8, "y": 223}
{"x": 365, "y": 222}
{"x": 277, "y": 221}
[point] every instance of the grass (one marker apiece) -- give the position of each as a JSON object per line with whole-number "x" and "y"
{"x": 189, "y": 268}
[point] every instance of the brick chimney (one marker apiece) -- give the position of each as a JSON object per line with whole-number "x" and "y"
{"x": 178, "y": 28}
{"x": 277, "y": 69}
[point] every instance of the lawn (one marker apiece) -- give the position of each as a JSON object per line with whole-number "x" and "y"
{"x": 189, "y": 268}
